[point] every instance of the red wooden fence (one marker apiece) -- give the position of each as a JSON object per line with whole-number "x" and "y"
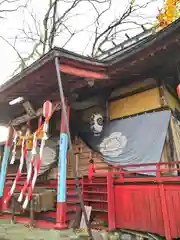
{"x": 125, "y": 199}
{"x": 145, "y": 203}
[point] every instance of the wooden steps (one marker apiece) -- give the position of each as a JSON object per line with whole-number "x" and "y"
{"x": 94, "y": 194}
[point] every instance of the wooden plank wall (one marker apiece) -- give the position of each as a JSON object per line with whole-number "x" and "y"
{"x": 136, "y": 103}
{"x": 82, "y": 155}
{"x": 135, "y": 87}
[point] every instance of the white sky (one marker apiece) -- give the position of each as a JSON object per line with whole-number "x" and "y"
{"x": 13, "y": 22}
{"x": 3, "y": 133}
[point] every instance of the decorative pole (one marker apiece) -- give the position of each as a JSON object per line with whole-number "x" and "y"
{"x": 61, "y": 188}
{"x": 47, "y": 113}
{"x": 71, "y": 155}
{"x": 5, "y": 161}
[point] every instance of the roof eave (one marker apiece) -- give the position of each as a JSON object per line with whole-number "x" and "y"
{"x": 55, "y": 52}
{"x": 144, "y": 43}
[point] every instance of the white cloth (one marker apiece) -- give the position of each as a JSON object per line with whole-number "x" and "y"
{"x": 48, "y": 157}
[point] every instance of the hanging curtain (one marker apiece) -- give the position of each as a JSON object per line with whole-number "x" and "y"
{"x": 133, "y": 140}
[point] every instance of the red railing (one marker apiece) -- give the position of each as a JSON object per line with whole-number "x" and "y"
{"x": 153, "y": 193}
{"x": 155, "y": 174}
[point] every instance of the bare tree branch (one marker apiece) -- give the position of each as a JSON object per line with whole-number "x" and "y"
{"x": 111, "y": 32}
{"x": 56, "y": 25}
{"x": 22, "y": 63}
{"x": 7, "y": 8}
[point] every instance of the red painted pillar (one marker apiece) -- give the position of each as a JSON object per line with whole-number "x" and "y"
{"x": 163, "y": 200}
{"x": 62, "y": 170}
{"x": 167, "y": 228}
{"x": 111, "y": 204}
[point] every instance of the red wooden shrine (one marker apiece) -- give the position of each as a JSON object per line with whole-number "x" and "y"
{"x": 119, "y": 199}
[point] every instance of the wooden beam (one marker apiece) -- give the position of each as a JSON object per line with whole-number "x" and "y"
{"x": 82, "y": 73}
{"x": 24, "y": 118}
{"x": 75, "y": 105}
{"x": 29, "y": 109}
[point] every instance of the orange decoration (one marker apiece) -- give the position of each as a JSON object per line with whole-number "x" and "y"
{"x": 168, "y": 13}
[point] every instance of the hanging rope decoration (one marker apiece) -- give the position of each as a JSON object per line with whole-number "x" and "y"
{"x": 18, "y": 175}
{"x": 14, "y": 149}
{"x": 31, "y": 180}
{"x": 31, "y": 164}
{"x": 47, "y": 114}
{"x": 37, "y": 167}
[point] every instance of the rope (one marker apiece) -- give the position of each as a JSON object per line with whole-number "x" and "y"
{"x": 23, "y": 154}
{"x": 38, "y": 163}
{"x": 30, "y": 170}
{"x": 18, "y": 175}
{"x": 14, "y": 149}
{"x": 40, "y": 128}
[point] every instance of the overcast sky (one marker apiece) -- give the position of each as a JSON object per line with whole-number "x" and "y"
{"x": 13, "y": 22}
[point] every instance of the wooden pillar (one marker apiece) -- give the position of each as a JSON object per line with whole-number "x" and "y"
{"x": 62, "y": 171}
{"x": 111, "y": 204}
{"x": 163, "y": 200}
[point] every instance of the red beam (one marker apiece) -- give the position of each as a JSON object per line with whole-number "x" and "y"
{"x": 82, "y": 73}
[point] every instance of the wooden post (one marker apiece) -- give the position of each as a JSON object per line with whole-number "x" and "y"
{"x": 32, "y": 212}
{"x": 167, "y": 229}
{"x": 61, "y": 92}
{"x": 111, "y": 209}
{"x": 13, "y": 209}
{"x": 62, "y": 171}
